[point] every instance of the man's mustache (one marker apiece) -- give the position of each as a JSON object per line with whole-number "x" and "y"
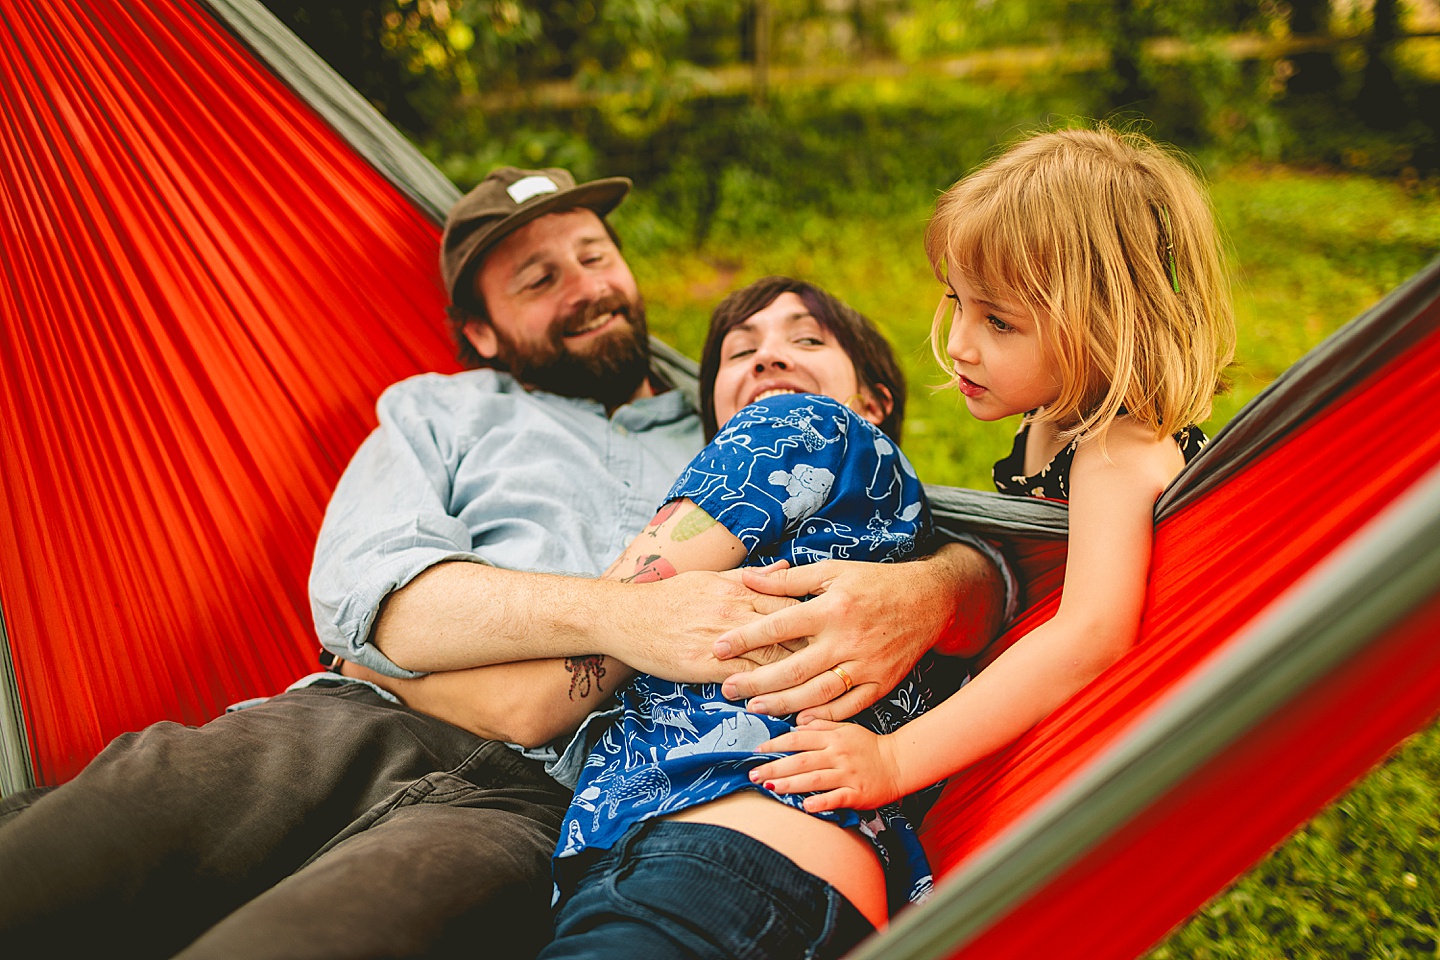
{"x": 586, "y": 313}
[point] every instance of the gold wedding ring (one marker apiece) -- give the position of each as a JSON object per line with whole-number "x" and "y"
{"x": 844, "y": 678}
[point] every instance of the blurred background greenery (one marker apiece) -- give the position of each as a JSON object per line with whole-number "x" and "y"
{"x": 811, "y": 137}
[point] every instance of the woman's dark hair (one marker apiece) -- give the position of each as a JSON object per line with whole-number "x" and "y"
{"x": 874, "y": 361}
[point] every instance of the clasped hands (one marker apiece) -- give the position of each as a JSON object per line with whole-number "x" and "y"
{"x": 862, "y": 630}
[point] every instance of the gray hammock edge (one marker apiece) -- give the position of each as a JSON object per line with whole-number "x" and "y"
{"x": 339, "y": 104}
{"x": 16, "y": 771}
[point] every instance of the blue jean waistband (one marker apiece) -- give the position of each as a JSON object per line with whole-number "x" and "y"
{"x": 765, "y": 866}
{"x": 725, "y": 892}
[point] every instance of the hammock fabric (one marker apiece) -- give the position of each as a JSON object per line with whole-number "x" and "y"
{"x": 204, "y": 290}
{"x": 205, "y": 286}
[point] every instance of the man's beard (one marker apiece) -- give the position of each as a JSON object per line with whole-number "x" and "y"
{"x": 610, "y": 370}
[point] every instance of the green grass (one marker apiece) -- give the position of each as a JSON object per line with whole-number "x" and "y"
{"x": 1310, "y": 251}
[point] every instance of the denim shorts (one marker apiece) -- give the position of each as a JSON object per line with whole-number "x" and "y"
{"x": 699, "y": 891}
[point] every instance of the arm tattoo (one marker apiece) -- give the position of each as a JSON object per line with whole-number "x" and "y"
{"x": 693, "y": 524}
{"x": 650, "y": 568}
{"x": 585, "y": 674}
{"x": 661, "y": 515}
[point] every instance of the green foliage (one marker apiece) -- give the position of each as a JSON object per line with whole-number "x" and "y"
{"x": 642, "y": 81}
{"x": 465, "y": 158}
{"x": 934, "y": 28}
{"x": 1312, "y": 250}
{"x": 829, "y": 151}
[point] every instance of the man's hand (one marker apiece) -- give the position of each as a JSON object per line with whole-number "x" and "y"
{"x": 871, "y": 620}
{"x": 670, "y": 627}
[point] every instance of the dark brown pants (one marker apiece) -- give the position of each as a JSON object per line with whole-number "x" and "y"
{"x": 326, "y": 822}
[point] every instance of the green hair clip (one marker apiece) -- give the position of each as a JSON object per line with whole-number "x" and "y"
{"x": 1162, "y": 213}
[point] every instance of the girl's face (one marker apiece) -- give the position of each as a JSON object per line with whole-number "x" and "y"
{"x": 1003, "y": 366}
{"x": 784, "y": 349}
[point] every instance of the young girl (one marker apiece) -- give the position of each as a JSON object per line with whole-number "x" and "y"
{"x": 1085, "y": 290}
{"x": 670, "y": 848}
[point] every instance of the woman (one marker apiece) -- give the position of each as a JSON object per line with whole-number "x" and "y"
{"x": 670, "y": 847}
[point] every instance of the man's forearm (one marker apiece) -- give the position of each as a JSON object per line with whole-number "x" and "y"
{"x": 977, "y": 593}
{"x": 530, "y": 702}
{"x": 460, "y": 615}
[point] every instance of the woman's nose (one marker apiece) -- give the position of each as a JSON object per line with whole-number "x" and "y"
{"x": 768, "y": 355}
{"x": 772, "y": 364}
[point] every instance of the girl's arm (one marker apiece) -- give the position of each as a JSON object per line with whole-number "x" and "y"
{"x": 532, "y": 702}
{"x": 1111, "y": 531}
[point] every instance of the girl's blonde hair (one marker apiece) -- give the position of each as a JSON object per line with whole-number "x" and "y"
{"x": 1108, "y": 239}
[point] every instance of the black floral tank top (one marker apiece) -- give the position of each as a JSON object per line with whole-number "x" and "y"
{"x": 1053, "y": 480}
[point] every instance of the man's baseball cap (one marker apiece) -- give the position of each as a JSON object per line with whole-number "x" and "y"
{"x": 507, "y": 199}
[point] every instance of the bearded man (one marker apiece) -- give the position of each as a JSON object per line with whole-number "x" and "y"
{"x": 406, "y": 801}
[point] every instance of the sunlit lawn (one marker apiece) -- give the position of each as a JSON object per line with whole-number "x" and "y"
{"x": 1311, "y": 250}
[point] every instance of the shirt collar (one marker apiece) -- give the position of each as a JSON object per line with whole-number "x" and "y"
{"x": 656, "y": 411}
{"x": 664, "y": 408}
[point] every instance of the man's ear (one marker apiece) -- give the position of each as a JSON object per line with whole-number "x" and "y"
{"x": 482, "y": 337}
{"x": 874, "y": 403}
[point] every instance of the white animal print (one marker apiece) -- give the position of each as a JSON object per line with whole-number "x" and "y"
{"x": 807, "y": 488}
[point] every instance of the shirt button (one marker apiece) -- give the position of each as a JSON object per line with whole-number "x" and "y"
{"x": 620, "y": 429}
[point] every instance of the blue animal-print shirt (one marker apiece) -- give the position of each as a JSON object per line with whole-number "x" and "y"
{"x": 800, "y": 478}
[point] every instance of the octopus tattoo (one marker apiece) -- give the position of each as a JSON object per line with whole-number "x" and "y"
{"x": 585, "y": 674}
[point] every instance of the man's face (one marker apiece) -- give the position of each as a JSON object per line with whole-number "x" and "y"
{"x": 565, "y": 314}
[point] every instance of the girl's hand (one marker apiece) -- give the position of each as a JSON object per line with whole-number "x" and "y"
{"x": 854, "y": 767}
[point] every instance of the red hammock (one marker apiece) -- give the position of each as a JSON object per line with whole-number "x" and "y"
{"x": 204, "y": 289}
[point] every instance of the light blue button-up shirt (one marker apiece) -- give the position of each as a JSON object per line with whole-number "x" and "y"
{"x": 474, "y": 467}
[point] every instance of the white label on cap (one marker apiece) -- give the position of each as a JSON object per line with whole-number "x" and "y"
{"x": 527, "y": 187}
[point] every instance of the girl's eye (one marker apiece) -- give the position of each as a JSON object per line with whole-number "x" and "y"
{"x": 810, "y": 341}
{"x": 998, "y": 324}
{"x": 740, "y": 353}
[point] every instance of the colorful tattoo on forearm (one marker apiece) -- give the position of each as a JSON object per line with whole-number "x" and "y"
{"x": 693, "y": 524}
{"x": 585, "y": 674}
{"x": 650, "y": 568}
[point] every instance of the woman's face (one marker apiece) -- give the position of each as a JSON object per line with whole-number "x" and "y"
{"x": 784, "y": 349}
